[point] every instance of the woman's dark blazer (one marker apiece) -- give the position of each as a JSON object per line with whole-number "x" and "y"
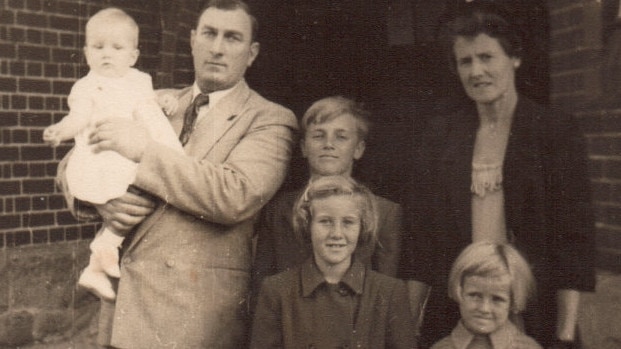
{"x": 547, "y": 204}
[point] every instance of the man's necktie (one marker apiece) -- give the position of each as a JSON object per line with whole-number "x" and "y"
{"x": 189, "y": 118}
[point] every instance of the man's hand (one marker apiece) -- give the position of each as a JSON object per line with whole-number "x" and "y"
{"x": 123, "y": 213}
{"x": 126, "y": 137}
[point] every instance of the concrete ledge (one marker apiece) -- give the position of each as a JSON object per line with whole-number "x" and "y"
{"x": 600, "y": 313}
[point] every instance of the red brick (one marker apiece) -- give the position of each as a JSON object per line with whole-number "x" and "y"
{"x": 65, "y": 23}
{"x": 50, "y": 70}
{"x": 37, "y": 170}
{"x": 68, "y": 71}
{"x": 7, "y": 17}
{"x": 71, "y": 8}
{"x": 52, "y": 103}
{"x": 16, "y": 4}
{"x": 61, "y": 87}
{"x": 43, "y": 152}
{"x": 613, "y": 170}
{"x": 68, "y": 40}
{"x": 34, "y": 36}
{"x": 610, "y": 215}
{"x": 62, "y": 55}
{"x": 88, "y": 231}
{"x": 19, "y": 136}
{"x": 8, "y": 119}
{"x": 57, "y": 234}
{"x": 14, "y": 239}
{"x": 36, "y": 119}
{"x": 9, "y": 204}
{"x": 8, "y": 84}
{"x": 50, "y": 38}
{"x": 9, "y": 154}
{"x": 32, "y": 20}
{"x": 34, "y": 69}
{"x": 9, "y": 221}
{"x": 18, "y": 102}
{"x": 17, "y": 34}
{"x": 33, "y": 53}
{"x": 18, "y": 68}
{"x": 567, "y": 19}
{"x": 23, "y": 204}
{"x": 40, "y": 236}
{"x": 33, "y": 5}
{"x": 38, "y": 219}
{"x": 65, "y": 218}
{"x": 38, "y": 186}
{"x": 9, "y": 188}
{"x": 567, "y": 40}
{"x": 34, "y": 85}
{"x": 57, "y": 202}
{"x": 36, "y": 135}
{"x": 72, "y": 233}
{"x": 604, "y": 146}
{"x": 20, "y": 169}
{"x": 36, "y": 103}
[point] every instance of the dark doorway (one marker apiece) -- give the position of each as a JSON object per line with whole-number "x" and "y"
{"x": 355, "y": 48}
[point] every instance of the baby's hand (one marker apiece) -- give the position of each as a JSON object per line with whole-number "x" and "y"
{"x": 168, "y": 103}
{"x": 52, "y": 136}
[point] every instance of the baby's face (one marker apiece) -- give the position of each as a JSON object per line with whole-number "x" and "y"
{"x": 110, "y": 51}
{"x": 485, "y": 303}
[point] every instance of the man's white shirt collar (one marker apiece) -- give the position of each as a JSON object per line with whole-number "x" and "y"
{"x": 214, "y": 97}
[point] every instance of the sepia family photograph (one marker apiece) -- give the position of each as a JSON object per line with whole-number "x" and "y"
{"x": 433, "y": 174}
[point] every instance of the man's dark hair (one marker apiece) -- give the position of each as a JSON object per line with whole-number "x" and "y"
{"x": 231, "y": 5}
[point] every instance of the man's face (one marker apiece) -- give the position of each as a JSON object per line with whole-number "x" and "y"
{"x": 332, "y": 146}
{"x": 222, "y": 48}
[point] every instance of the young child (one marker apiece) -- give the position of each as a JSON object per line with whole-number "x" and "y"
{"x": 332, "y": 300}
{"x": 112, "y": 89}
{"x": 490, "y": 281}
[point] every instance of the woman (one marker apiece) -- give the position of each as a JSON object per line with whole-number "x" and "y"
{"x": 501, "y": 169}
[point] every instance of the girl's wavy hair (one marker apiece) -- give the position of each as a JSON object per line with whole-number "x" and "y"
{"x": 324, "y": 187}
{"x": 487, "y": 259}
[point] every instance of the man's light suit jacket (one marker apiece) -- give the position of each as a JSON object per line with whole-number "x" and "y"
{"x": 185, "y": 274}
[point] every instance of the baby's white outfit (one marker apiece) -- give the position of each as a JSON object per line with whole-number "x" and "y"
{"x": 99, "y": 177}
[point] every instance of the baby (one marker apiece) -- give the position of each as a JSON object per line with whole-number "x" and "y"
{"x": 112, "y": 89}
{"x": 489, "y": 281}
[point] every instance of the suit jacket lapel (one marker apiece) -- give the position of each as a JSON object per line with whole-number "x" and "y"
{"x": 176, "y": 120}
{"x": 229, "y": 107}
{"x": 226, "y": 111}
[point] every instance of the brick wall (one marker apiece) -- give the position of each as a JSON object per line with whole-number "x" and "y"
{"x": 40, "y": 58}
{"x": 579, "y": 79}
{"x": 42, "y": 247}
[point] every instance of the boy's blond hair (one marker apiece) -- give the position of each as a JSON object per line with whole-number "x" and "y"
{"x": 329, "y": 108}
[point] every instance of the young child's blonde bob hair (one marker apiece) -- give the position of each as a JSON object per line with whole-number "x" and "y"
{"x": 324, "y": 187}
{"x": 487, "y": 259}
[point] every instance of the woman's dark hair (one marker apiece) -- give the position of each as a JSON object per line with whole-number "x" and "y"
{"x": 481, "y": 17}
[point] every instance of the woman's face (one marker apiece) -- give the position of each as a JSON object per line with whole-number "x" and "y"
{"x": 485, "y": 70}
